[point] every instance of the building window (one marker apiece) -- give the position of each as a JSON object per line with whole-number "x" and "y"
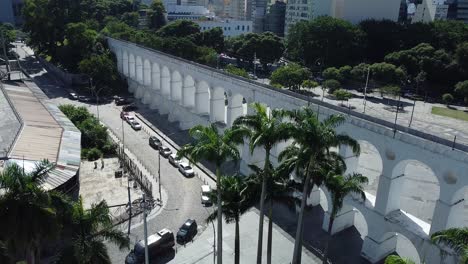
{"x": 243, "y": 28}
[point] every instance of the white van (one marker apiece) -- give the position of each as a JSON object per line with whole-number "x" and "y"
{"x": 205, "y": 195}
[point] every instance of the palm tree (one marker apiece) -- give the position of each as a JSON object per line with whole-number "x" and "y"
{"x": 266, "y": 130}
{"x": 393, "y": 259}
{"x": 339, "y": 187}
{"x": 310, "y": 154}
{"x": 89, "y": 229}
{"x": 217, "y": 148}
{"x": 24, "y": 199}
{"x": 278, "y": 186}
{"x": 237, "y": 198}
{"x": 455, "y": 238}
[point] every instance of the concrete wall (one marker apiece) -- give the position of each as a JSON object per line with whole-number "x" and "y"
{"x": 67, "y": 78}
{"x": 358, "y": 10}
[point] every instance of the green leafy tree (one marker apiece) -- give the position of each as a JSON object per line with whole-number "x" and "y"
{"x": 217, "y": 148}
{"x": 267, "y": 47}
{"x": 461, "y": 54}
{"x": 290, "y": 76}
{"x": 179, "y": 28}
{"x": 237, "y": 198}
{"x": 462, "y": 89}
{"x": 339, "y": 187}
{"x": 447, "y": 98}
{"x": 390, "y": 90}
{"x": 22, "y": 200}
{"x": 103, "y": 69}
{"x": 265, "y": 130}
{"x": 237, "y": 71}
{"x": 309, "y": 84}
{"x": 455, "y": 238}
{"x": 309, "y": 156}
{"x": 331, "y": 85}
{"x": 213, "y": 38}
{"x": 359, "y": 72}
{"x": 393, "y": 259}
{"x": 89, "y": 229}
{"x": 131, "y": 18}
{"x": 332, "y": 73}
{"x": 382, "y": 37}
{"x": 336, "y": 41}
{"x": 156, "y": 15}
{"x": 79, "y": 42}
{"x": 342, "y": 95}
{"x": 387, "y": 73}
{"x": 9, "y": 34}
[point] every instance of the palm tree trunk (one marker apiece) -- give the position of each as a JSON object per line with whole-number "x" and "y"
{"x": 237, "y": 243}
{"x": 325, "y": 251}
{"x": 270, "y": 232}
{"x": 300, "y": 223}
{"x": 220, "y": 219}
{"x": 262, "y": 207}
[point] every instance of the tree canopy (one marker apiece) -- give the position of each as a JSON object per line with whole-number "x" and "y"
{"x": 290, "y": 76}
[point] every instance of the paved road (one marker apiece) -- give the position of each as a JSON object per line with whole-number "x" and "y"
{"x": 183, "y": 199}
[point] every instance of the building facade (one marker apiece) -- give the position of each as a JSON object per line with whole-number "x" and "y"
{"x": 175, "y": 12}
{"x": 430, "y": 10}
{"x": 259, "y": 8}
{"x": 462, "y": 10}
{"x": 274, "y": 20}
{"x": 10, "y": 11}
{"x": 231, "y": 28}
{"x": 297, "y": 10}
{"x": 235, "y": 9}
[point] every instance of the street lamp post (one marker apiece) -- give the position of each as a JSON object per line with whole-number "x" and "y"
{"x": 412, "y": 112}
{"x": 365, "y": 89}
{"x": 96, "y": 93}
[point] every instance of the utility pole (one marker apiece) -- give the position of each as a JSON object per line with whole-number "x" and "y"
{"x": 255, "y": 65}
{"x": 146, "y": 230}
{"x": 130, "y": 207}
{"x": 412, "y": 113}
{"x": 365, "y": 88}
{"x": 159, "y": 176}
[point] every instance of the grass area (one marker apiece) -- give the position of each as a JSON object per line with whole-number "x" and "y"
{"x": 443, "y": 111}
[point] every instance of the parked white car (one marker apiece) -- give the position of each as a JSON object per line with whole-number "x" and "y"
{"x": 135, "y": 125}
{"x": 205, "y": 192}
{"x": 173, "y": 159}
{"x": 129, "y": 119}
{"x": 186, "y": 169}
{"x": 165, "y": 151}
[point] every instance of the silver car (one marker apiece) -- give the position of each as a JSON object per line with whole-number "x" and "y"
{"x": 186, "y": 169}
{"x": 165, "y": 151}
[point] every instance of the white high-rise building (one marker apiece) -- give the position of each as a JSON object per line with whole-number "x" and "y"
{"x": 235, "y": 9}
{"x": 297, "y": 10}
{"x": 430, "y": 10}
{"x": 353, "y": 11}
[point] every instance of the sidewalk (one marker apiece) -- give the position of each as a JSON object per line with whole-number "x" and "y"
{"x": 201, "y": 250}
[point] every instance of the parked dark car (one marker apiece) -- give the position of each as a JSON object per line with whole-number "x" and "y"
{"x": 122, "y": 101}
{"x": 187, "y": 231}
{"x": 73, "y": 96}
{"x": 155, "y": 142}
{"x": 84, "y": 99}
{"x": 130, "y": 107}
{"x": 158, "y": 244}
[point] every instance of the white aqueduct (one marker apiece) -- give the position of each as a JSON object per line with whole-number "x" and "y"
{"x": 195, "y": 94}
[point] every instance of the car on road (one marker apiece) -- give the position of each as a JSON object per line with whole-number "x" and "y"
{"x": 73, "y": 96}
{"x": 130, "y": 107}
{"x": 165, "y": 151}
{"x": 123, "y": 115}
{"x": 158, "y": 244}
{"x": 205, "y": 195}
{"x": 173, "y": 159}
{"x": 135, "y": 125}
{"x": 155, "y": 142}
{"x": 129, "y": 119}
{"x": 187, "y": 231}
{"x": 186, "y": 169}
{"x": 84, "y": 99}
{"x": 122, "y": 101}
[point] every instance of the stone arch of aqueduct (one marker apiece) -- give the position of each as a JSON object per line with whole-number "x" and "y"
{"x": 195, "y": 94}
